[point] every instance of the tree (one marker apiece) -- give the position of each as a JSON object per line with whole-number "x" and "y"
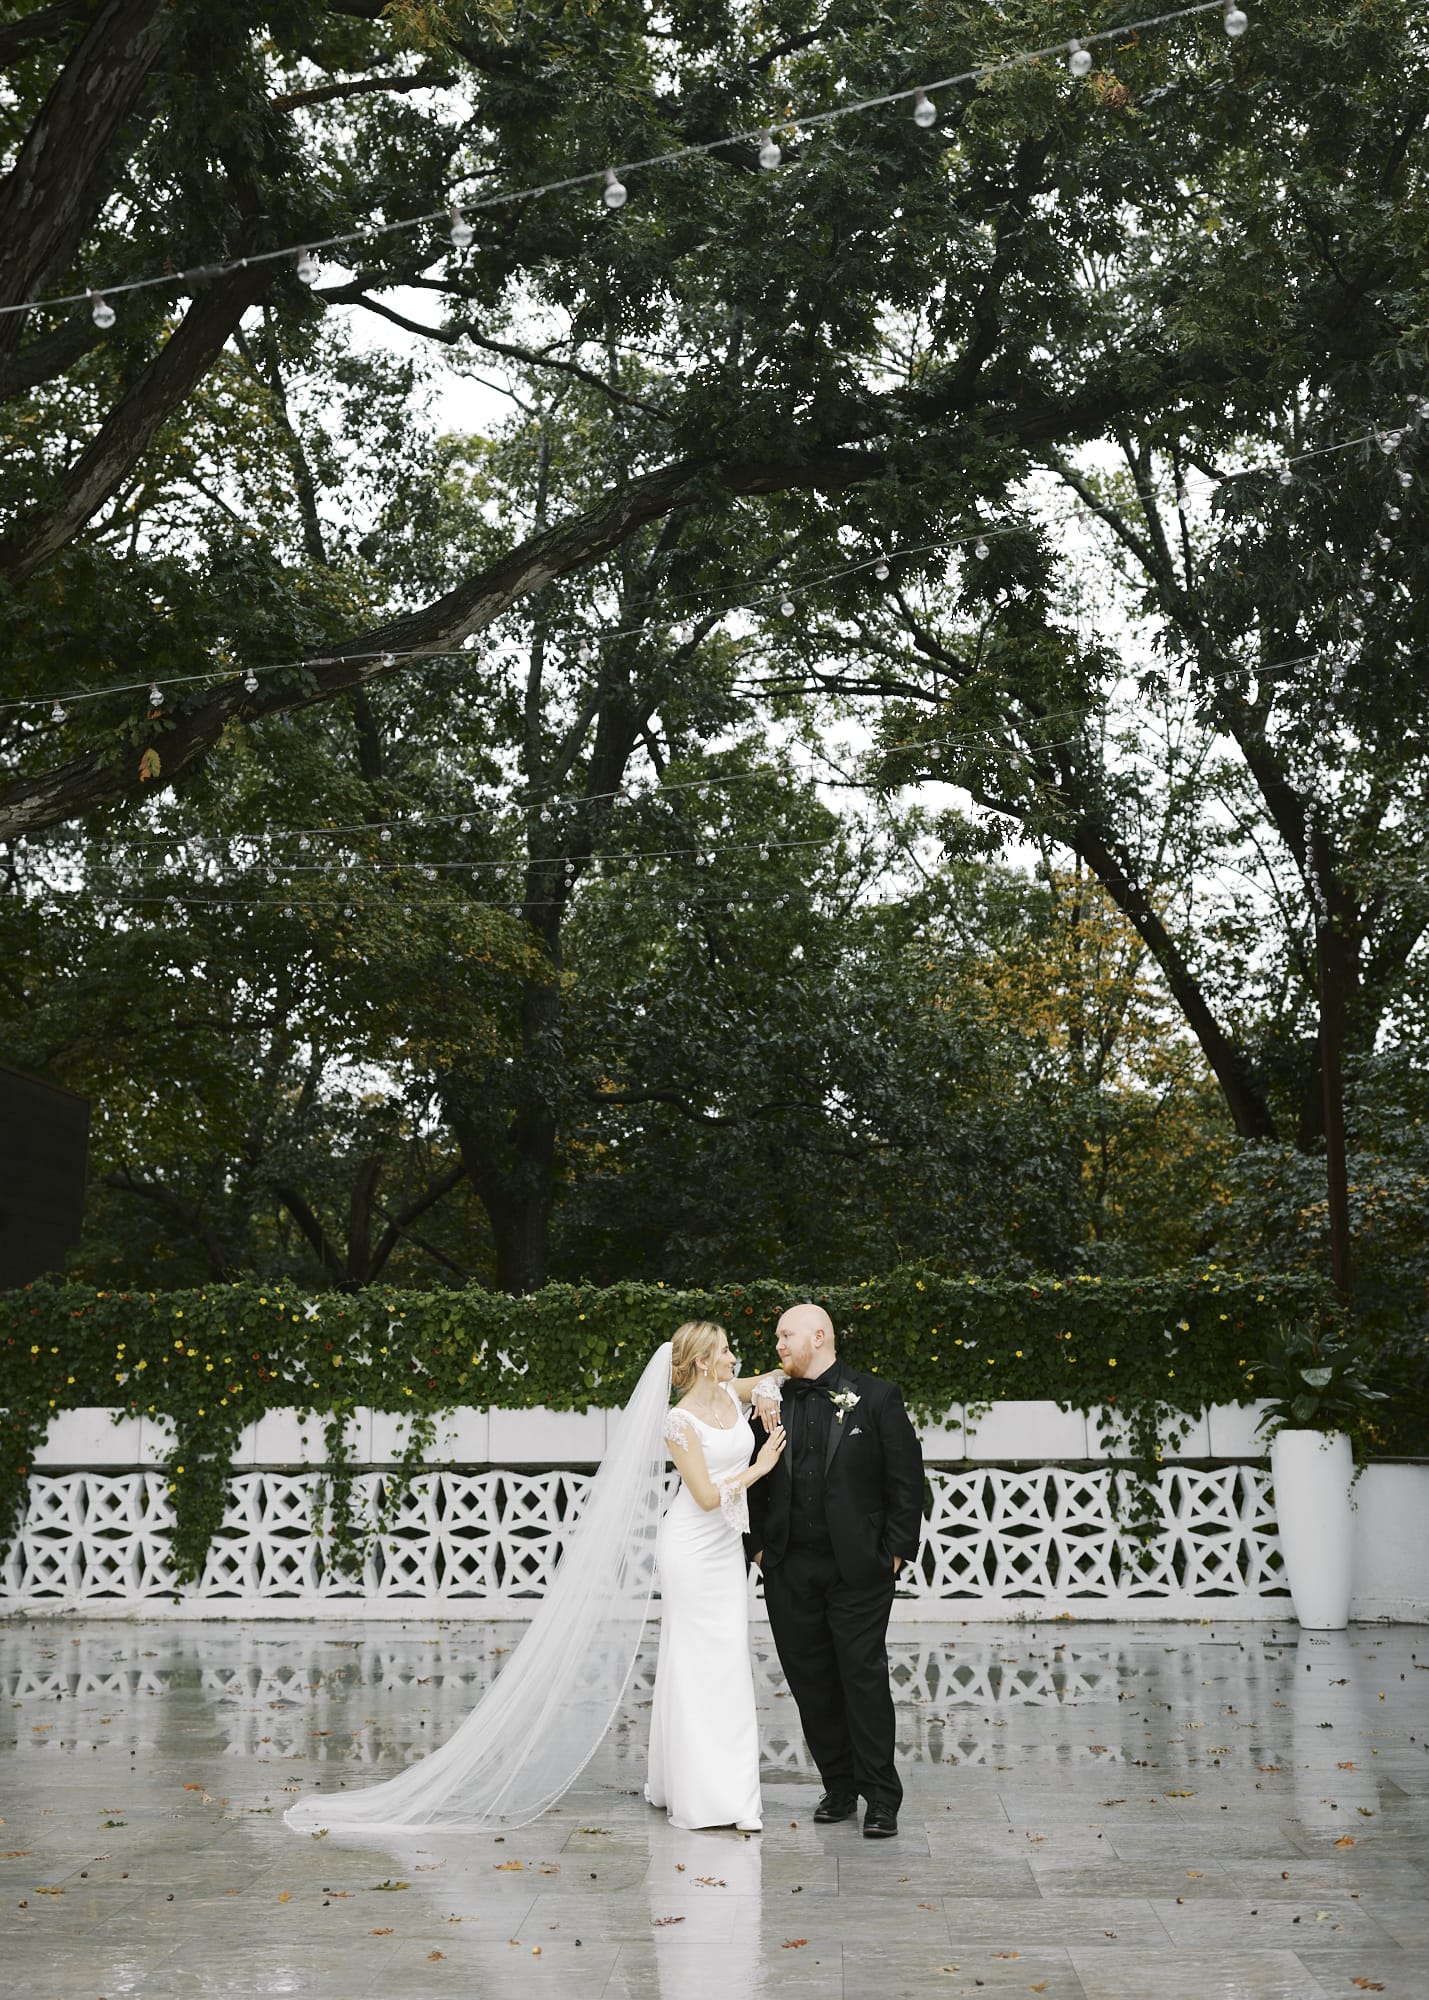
{"x": 774, "y": 290}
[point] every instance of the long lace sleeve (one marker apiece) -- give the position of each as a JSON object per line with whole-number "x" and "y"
{"x": 733, "y": 1503}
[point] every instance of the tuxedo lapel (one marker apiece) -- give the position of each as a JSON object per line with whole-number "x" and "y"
{"x": 836, "y": 1426}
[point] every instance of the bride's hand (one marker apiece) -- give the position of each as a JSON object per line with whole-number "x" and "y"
{"x": 771, "y": 1451}
{"x": 767, "y": 1403}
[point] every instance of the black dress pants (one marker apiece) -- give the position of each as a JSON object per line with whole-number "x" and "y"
{"x": 831, "y": 1638}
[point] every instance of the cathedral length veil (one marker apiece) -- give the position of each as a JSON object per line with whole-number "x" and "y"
{"x": 537, "y": 1727}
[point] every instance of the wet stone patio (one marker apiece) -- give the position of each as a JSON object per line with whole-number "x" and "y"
{"x": 1093, "y": 1812}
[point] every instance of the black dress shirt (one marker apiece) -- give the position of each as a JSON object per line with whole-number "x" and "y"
{"x": 808, "y": 1414}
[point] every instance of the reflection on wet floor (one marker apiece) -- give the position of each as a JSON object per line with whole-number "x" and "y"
{"x": 1098, "y": 1812}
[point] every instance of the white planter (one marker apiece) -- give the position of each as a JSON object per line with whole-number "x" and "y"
{"x": 1311, "y": 1474}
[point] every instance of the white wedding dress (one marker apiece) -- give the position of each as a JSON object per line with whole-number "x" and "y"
{"x": 704, "y": 1742}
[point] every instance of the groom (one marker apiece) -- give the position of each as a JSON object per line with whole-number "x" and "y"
{"x": 831, "y": 1527}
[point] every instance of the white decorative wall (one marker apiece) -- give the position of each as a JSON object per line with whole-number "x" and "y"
{"x": 1028, "y": 1516}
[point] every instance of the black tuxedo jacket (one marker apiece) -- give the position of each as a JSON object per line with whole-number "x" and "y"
{"x": 873, "y": 1487}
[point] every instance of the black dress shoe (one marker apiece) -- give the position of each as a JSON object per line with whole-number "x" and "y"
{"x": 834, "y": 1806}
{"x": 880, "y": 1823}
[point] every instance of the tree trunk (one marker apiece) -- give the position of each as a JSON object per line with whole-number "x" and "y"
{"x": 1332, "y": 954}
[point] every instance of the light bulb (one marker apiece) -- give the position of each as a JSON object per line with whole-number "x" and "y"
{"x": 880, "y": 570}
{"x": 614, "y": 195}
{"x": 981, "y": 551}
{"x": 156, "y": 696}
{"x": 271, "y": 874}
{"x": 57, "y": 713}
{"x": 1392, "y": 512}
{"x": 1286, "y": 475}
{"x": 386, "y": 659}
{"x": 250, "y": 682}
{"x": 1405, "y": 479}
{"x": 102, "y": 313}
{"x": 347, "y": 909}
{"x": 925, "y": 111}
{"x": 386, "y": 833}
{"x": 1236, "y": 23}
{"x": 462, "y": 231}
{"x": 308, "y": 268}
{"x": 1079, "y": 60}
{"x": 786, "y": 607}
{"x": 769, "y": 152}
{"x": 304, "y": 843}
{"x": 466, "y": 826}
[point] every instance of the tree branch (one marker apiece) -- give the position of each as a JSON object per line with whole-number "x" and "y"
{"x": 327, "y": 93}
{"x": 132, "y": 425}
{"x": 51, "y": 193}
{"x": 96, "y": 779}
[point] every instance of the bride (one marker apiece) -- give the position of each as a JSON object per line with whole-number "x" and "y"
{"x": 537, "y": 1727}
{"x": 707, "y": 1776}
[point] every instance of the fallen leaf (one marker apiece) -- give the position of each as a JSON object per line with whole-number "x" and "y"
{"x": 16, "y": 1853}
{"x": 660, "y": 1922}
{"x": 57, "y": 1890}
{"x": 1040, "y": 1987}
{"x": 793, "y": 1944}
{"x": 1195, "y": 1874}
{"x": 436, "y": 1954}
{"x": 1364, "y": 1812}
{"x": 508, "y": 1867}
{"x": 1345, "y": 1840}
{"x": 1007, "y": 1954}
{"x": 193, "y": 1788}
{"x": 386, "y": 1931}
{"x": 1348, "y": 1765}
{"x": 1178, "y": 1795}
{"x": 401, "y": 1885}
{"x": 285, "y": 1896}
{"x": 1368, "y": 1985}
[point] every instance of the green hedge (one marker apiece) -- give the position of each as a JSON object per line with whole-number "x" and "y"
{"x": 215, "y": 1359}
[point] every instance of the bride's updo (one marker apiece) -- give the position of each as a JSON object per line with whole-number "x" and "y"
{"x": 693, "y": 1343}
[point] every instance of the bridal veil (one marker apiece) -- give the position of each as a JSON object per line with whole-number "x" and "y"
{"x": 537, "y": 1727}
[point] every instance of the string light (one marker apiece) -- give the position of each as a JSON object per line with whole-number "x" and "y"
{"x": 57, "y": 713}
{"x": 156, "y": 696}
{"x": 925, "y": 111}
{"x": 461, "y": 231}
{"x": 981, "y": 551}
{"x": 881, "y": 571}
{"x": 1079, "y": 60}
{"x": 101, "y": 312}
{"x": 586, "y": 645}
{"x": 1235, "y": 22}
{"x": 308, "y": 268}
{"x": 770, "y": 153}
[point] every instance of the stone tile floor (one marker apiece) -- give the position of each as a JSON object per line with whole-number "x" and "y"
{"x": 1094, "y": 1812}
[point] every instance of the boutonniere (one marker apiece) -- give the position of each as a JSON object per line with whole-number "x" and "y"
{"x": 843, "y": 1401}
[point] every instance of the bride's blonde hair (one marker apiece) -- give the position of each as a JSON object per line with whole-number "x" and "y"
{"x": 693, "y": 1343}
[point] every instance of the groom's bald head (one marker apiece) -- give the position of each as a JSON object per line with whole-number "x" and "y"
{"x": 805, "y": 1336}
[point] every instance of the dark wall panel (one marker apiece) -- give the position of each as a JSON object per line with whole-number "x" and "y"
{"x": 44, "y": 1149}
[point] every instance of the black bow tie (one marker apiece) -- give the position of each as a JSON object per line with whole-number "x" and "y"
{"x": 820, "y": 1386}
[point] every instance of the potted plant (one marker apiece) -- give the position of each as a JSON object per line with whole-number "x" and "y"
{"x": 1318, "y": 1415}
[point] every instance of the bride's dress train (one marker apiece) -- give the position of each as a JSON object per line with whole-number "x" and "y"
{"x": 704, "y": 1741}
